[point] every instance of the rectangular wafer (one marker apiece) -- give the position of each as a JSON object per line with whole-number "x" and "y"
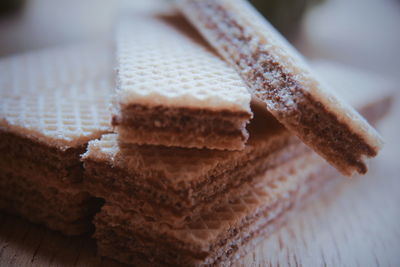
{"x": 277, "y": 74}
{"x": 52, "y": 102}
{"x": 172, "y": 89}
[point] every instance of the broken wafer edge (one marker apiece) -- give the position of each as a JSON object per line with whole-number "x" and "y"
{"x": 278, "y": 75}
{"x": 52, "y": 102}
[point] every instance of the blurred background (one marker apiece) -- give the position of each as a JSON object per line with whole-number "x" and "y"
{"x": 361, "y": 33}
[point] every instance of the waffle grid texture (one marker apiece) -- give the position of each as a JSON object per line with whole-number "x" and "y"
{"x": 59, "y": 96}
{"x": 44, "y": 70}
{"x": 162, "y": 62}
{"x": 261, "y": 205}
{"x": 208, "y": 229}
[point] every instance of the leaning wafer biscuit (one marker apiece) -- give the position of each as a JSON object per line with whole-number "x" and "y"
{"x": 280, "y": 77}
{"x": 172, "y": 90}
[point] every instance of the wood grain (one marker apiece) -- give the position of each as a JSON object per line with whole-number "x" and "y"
{"x": 358, "y": 226}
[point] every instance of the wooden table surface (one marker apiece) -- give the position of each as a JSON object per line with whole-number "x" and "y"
{"x": 358, "y": 226}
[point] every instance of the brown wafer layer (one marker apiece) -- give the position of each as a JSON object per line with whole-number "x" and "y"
{"x": 169, "y": 126}
{"x": 41, "y": 183}
{"x": 61, "y": 210}
{"x": 41, "y": 158}
{"x": 216, "y": 236}
{"x": 167, "y": 206}
{"x": 185, "y": 97}
{"x": 277, "y": 75}
{"x": 150, "y": 177}
{"x": 41, "y": 174}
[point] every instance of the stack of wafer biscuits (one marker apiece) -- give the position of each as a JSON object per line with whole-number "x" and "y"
{"x": 135, "y": 233}
{"x": 195, "y": 149}
{"x": 52, "y": 103}
{"x": 212, "y": 230}
{"x": 172, "y": 196}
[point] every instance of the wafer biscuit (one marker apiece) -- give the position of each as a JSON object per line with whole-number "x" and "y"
{"x": 52, "y": 102}
{"x": 277, "y": 74}
{"x": 173, "y": 90}
{"x": 68, "y": 211}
